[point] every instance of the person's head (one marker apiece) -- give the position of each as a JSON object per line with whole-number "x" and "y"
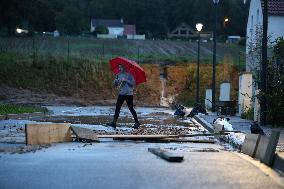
{"x": 121, "y": 68}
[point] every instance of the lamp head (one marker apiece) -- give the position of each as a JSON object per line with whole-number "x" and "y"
{"x": 199, "y": 26}
{"x": 215, "y": 1}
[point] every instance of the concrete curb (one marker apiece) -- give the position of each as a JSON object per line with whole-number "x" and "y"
{"x": 264, "y": 168}
{"x": 278, "y": 163}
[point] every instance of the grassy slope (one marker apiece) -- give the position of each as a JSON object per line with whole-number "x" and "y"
{"x": 142, "y": 51}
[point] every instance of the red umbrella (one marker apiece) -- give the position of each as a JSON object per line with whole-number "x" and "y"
{"x": 132, "y": 67}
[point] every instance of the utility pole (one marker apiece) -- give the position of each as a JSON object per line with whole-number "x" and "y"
{"x": 263, "y": 77}
{"x": 214, "y": 56}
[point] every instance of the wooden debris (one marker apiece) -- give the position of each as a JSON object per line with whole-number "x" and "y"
{"x": 84, "y": 134}
{"x": 145, "y": 137}
{"x": 162, "y": 153}
{"x": 47, "y": 133}
{"x": 185, "y": 140}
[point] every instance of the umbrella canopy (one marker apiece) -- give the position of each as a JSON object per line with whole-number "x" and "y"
{"x": 132, "y": 67}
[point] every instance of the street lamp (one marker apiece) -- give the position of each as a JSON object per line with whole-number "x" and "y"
{"x": 214, "y": 57}
{"x": 198, "y": 28}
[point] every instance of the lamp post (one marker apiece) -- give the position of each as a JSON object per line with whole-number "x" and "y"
{"x": 214, "y": 57}
{"x": 199, "y": 27}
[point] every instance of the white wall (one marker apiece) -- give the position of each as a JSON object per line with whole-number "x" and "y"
{"x": 245, "y": 92}
{"x": 141, "y": 37}
{"x": 106, "y": 36}
{"x": 208, "y": 99}
{"x": 254, "y": 19}
{"x": 115, "y": 31}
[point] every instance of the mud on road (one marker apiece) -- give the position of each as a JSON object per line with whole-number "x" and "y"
{"x": 153, "y": 121}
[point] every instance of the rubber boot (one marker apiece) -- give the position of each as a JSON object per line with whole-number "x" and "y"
{"x": 112, "y": 124}
{"x": 136, "y": 125}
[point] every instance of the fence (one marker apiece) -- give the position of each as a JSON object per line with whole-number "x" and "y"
{"x": 148, "y": 51}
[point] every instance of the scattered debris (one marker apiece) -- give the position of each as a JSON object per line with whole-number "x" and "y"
{"x": 197, "y": 109}
{"x": 180, "y": 111}
{"x": 256, "y": 129}
{"x": 221, "y": 124}
{"x": 84, "y": 135}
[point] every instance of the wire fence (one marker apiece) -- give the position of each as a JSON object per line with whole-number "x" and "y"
{"x": 147, "y": 51}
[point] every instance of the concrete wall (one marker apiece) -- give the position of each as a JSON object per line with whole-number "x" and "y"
{"x": 141, "y": 37}
{"x": 245, "y": 92}
{"x": 208, "y": 98}
{"x": 225, "y": 91}
{"x": 106, "y": 36}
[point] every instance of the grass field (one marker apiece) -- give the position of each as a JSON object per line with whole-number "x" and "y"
{"x": 18, "y": 109}
{"x": 147, "y": 51}
{"x": 79, "y": 66}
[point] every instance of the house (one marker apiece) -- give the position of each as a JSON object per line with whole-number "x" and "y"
{"x": 129, "y": 30}
{"x": 115, "y": 27}
{"x": 182, "y": 31}
{"x": 56, "y": 33}
{"x": 254, "y": 25}
{"x": 253, "y": 44}
{"x": 233, "y": 38}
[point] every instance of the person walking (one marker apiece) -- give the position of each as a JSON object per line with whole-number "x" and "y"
{"x": 125, "y": 82}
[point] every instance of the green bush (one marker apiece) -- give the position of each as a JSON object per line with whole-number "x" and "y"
{"x": 18, "y": 109}
{"x": 101, "y": 30}
{"x": 242, "y": 41}
{"x": 248, "y": 114}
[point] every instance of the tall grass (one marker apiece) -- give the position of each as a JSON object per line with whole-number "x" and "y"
{"x": 53, "y": 73}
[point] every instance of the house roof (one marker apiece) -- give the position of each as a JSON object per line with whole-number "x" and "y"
{"x": 275, "y": 7}
{"x": 107, "y": 23}
{"x": 182, "y": 25}
{"x": 129, "y": 29}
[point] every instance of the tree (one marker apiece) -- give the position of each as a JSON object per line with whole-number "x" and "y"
{"x": 101, "y": 30}
{"x": 275, "y": 85}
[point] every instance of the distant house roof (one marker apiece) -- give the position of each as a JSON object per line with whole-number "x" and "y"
{"x": 275, "y": 7}
{"x": 129, "y": 29}
{"x": 107, "y": 23}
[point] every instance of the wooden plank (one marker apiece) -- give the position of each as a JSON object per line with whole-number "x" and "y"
{"x": 187, "y": 140}
{"x": 204, "y": 123}
{"x": 162, "y": 153}
{"x": 84, "y": 134}
{"x": 47, "y": 133}
{"x": 142, "y": 137}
